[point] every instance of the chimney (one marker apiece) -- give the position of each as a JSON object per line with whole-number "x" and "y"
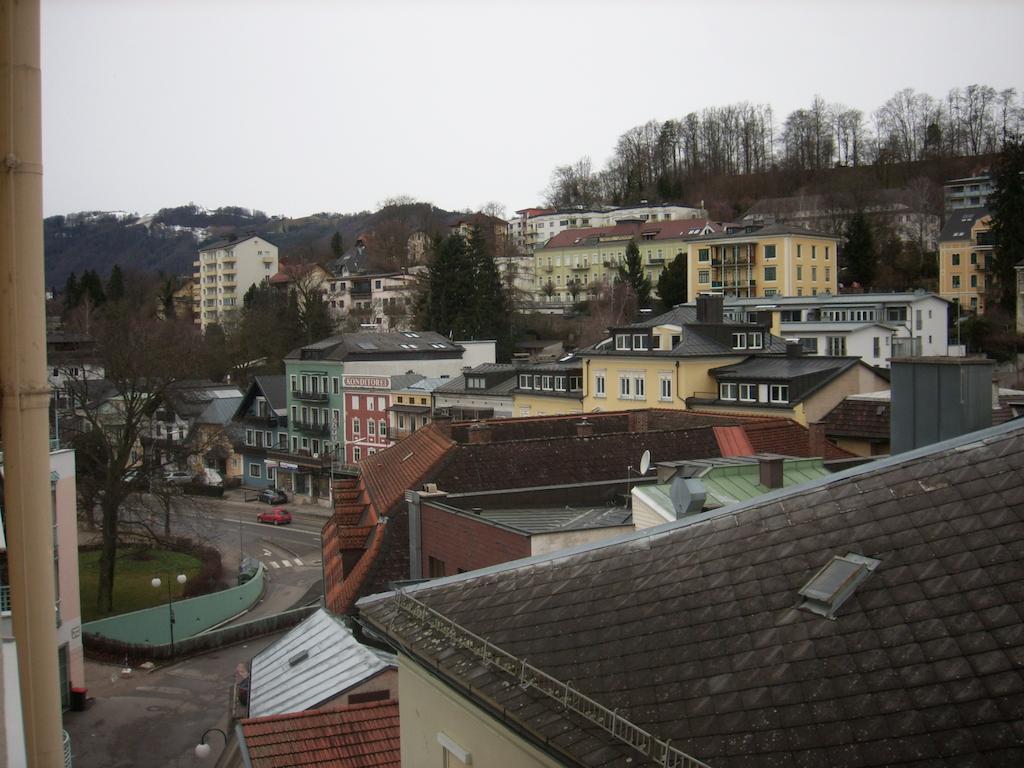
{"x": 793, "y": 349}
{"x": 995, "y": 394}
{"x": 710, "y": 309}
{"x": 770, "y": 318}
{"x": 816, "y": 439}
{"x": 584, "y": 428}
{"x": 480, "y": 433}
{"x": 771, "y": 471}
{"x": 638, "y": 421}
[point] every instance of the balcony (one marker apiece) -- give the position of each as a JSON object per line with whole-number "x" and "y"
{"x": 581, "y": 268}
{"x": 313, "y": 397}
{"x": 548, "y": 268}
{"x": 732, "y": 261}
{"x": 300, "y": 459}
{"x": 261, "y": 421}
{"x": 656, "y": 261}
{"x": 311, "y": 428}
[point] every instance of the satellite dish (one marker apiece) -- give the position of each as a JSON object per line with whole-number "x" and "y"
{"x": 645, "y": 462}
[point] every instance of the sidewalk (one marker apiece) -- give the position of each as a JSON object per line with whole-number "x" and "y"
{"x": 156, "y": 718}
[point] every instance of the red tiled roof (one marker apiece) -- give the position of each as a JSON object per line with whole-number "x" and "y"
{"x": 664, "y": 230}
{"x": 354, "y": 537}
{"x": 868, "y": 419}
{"x": 787, "y": 438}
{"x": 387, "y": 475}
{"x": 733, "y": 441}
{"x": 280, "y": 277}
{"x": 356, "y": 736}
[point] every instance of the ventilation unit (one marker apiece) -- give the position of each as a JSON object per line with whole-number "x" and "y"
{"x": 830, "y": 587}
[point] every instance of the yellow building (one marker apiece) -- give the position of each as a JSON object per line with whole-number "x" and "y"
{"x": 777, "y": 260}
{"x": 690, "y": 359}
{"x": 965, "y": 253}
{"x": 549, "y": 389}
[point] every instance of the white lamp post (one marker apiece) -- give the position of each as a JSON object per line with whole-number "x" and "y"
{"x": 156, "y": 582}
{"x": 203, "y": 749}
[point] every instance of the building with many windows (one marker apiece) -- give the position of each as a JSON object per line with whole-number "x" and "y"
{"x": 225, "y": 270}
{"x": 970, "y": 192}
{"x": 965, "y": 258}
{"x": 263, "y": 415}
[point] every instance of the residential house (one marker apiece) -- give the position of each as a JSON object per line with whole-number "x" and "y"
{"x": 872, "y": 326}
{"x": 368, "y": 402}
{"x": 537, "y": 463}
{"x": 169, "y": 438}
{"x": 70, "y": 657}
{"x": 355, "y": 735}
{"x": 481, "y": 392}
{"x": 316, "y": 401}
{"x": 411, "y": 407}
{"x": 71, "y": 360}
{"x": 969, "y": 192}
{"x": 224, "y": 270}
{"x": 774, "y": 260}
{"x": 319, "y": 664}
{"x": 868, "y": 618}
{"x": 532, "y": 228}
{"x": 214, "y": 438}
{"x": 549, "y": 388}
{"x": 965, "y": 258}
{"x": 263, "y": 416}
{"x": 576, "y": 262}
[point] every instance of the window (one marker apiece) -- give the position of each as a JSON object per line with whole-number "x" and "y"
{"x": 956, "y": 281}
{"x": 524, "y": 381}
{"x": 974, "y": 258}
{"x": 357, "y": 454}
{"x": 799, "y": 273}
{"x": 769, "y": 274}
{"x": 727, "y": 391}
{"x": 836, "y": 345}
{"x": 401, "y": 421}
{"x": 622, "y": 341}
{"x": 703, "y": 254}
{"x": 828, "y": 274}
{"x": 799, "y": 248}
{"x": 956, "y": 259}
{"x": 382, "y": 428}
{"x": 249, "y": 437}
{"x": 778, "y": 393}
{"x": 546, "y": 382}
{"x": 739, "y": 341}
{"x": 814, "y": 251}
{"x": 599, "y": 384}
{"x": 755, "y": 340}
{"x": 625, "y": 391}
{"x": 876, "y": 347}
{"x": 896, "y": 314}
{"x": 826, "y": 253}
{"x": 704, "y": 276}
{"x": 639, "y": 388}
{"x": 748, "y": 393}
{"x": 665, "y": 386}
{"x": 355, "y": 426}
{"x": 355, "y": 402}
{"x": 255, "y": 471}
{"x": 814, "y": 273}
{"x": 639, "y": 341}
{"x": 769, "y": 253}
{"x": 974, "y": 284}
{"x": 371, "y": 428}
{"x": 560, "y": 383}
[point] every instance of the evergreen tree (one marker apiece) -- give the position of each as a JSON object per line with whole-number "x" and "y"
{"x": 115, "y": 284}
{"x": 446, "y": 303}
{"x": 72, "y": 292}
{"x": 632, "y": 273}
{"x": 491, "y": 318}
{"x": 92, "y": 288}
{"x": 672, "y": 288}
{"x": 858, "y": 255}
{"x": 1007, "y": 206}
{"x": 317, "y": 322}
{"x": 337, "y": 246}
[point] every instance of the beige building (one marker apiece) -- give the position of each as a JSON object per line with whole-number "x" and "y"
{"x": 225, "y": 270}
{"x": 965, "y": 255}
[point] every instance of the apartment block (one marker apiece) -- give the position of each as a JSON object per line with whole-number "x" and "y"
{"x": 969, "y": 192}
{"x": 965, "y": 256}
{"x": 224, "y": 271}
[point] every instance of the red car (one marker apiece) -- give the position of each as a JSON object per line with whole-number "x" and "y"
{"x": 276, "y": 516}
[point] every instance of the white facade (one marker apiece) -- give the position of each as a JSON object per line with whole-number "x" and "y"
{"x": 382, "y": 299}
{"x": 873, "y": 326}
{"x": 225, "y": 271}
{"x": 530, "y": 232}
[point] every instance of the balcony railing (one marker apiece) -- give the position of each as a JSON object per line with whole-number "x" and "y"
{"x": 303, "y": 458}
{"x": 305, "y": 394}
{"x": 67, "y": 749}
{"x": 5, "y": 600}
{"x": 311, "y": 428}
{"x": 580, "y": 267}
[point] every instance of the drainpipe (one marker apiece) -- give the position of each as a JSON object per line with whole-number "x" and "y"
{"x": 24, "y": 391}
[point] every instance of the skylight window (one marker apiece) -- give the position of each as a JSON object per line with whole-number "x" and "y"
{"x": 830, "y": 587}
{"x": 367, "y": 345}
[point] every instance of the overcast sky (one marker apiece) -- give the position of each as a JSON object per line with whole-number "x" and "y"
{"x": 300, "y": 106}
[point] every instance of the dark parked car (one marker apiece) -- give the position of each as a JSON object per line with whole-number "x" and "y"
{"x": 276, "y": 516}
{"x": 272, "y": 496}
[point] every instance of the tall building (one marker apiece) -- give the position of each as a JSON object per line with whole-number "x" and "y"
{"x": 970, "y": 192}
{"x": 225, "y": 270}
{"x": 965, "y": 256}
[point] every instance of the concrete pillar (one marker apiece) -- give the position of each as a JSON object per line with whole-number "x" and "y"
{"x": 24, "y": 392}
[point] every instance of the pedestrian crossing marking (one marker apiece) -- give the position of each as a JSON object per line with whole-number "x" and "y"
{"x": 297, "y": 561}
{"x": 273, "y": 564}
{"x": 286, "y": 564}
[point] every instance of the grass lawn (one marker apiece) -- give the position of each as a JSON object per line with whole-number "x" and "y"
{"x": 136, "y": 566}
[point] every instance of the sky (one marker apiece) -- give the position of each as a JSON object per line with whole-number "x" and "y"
{"x": 304, "y": 106}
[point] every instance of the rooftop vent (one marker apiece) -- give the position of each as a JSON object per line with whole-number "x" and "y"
{"x": 830, "y": 587}
{"x": 298, "y": 658}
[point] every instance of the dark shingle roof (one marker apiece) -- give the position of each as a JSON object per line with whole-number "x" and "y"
{"x": 692, "y": 631}
{"x": 227, "y": 242}
{"x": 958, "y": 226}
{"x": 348, "y": 346}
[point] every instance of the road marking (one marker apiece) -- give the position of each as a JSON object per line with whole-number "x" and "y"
{"x": 297, "y": 561}
{"x": 267, "y": 553}
{"x": 286, "y": 564}
{"x": 273, "y": 564}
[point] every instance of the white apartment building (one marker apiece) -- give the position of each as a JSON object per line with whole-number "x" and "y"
{"x": 225, "y": 270}
{"x": 533, "y": 227}
{"x": 875, "y": 327}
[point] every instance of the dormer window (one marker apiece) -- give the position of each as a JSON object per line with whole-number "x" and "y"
{"x": 727, "y": 391}
{"x": 622, "y": 341}
{"x": 755, "y": 340}
{"x": 524, "y": 381}
{"x": 639, "y": 341}
{"x": 739, "y": 341}
{"x": 476, "y": 382}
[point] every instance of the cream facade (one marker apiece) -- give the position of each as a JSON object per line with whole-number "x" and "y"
{"x": 631, "y": 383}
{"x": 224, "y": 271}
{"x": 441, "y": 728}
{"x": 965, "y": 254}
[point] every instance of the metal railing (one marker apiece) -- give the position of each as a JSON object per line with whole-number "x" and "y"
{"x": 303, "y": 394}
{"x": 5, "y": 599}
{"x": 528, "y": 676}
{"x": 67, "y": 749}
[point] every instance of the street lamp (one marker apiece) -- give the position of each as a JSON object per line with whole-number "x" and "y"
{"x": 156, "y": 582}
{"x": 203, "y": 749}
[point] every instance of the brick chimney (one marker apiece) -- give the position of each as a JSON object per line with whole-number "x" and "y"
{"x": 710, "y": 309}
{"x": 816, "y": 439}
{"x": 584, "y": 428}
{"x": 771, "y": 471}
{"x": 480, "y": 433}
{"x": 638, "y": 421}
